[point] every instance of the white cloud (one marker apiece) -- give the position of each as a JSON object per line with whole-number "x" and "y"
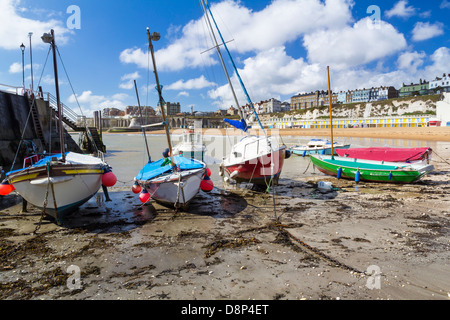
{"x": 424, "y": 30}
{"x": 401, "y": 9}
{"x": 252, "y": 31}
{"x": 411, "y": 61}
{"x": 354, "y": 45}
{"x": 14, "y": 28}
{"x": 90, "y": 102}
{"x": 183, "y": 94}
{"x": 445, "y": 4}
{"x": 16, "y": 67}
{"x": 440, "y": 64}
{"x": 270, "y": 73}
{"x": 129, "y": 80}
{"x": 198, "y": 83}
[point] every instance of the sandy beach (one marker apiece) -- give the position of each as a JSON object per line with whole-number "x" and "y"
{"x": 362, "y": 241}
{"x": 423, "y": 133}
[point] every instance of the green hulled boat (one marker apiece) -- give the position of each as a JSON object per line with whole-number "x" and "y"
{"x": 368, "y": 170}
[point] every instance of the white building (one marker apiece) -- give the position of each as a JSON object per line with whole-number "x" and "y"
{"x": 442, "y": 83}
{"x": 272, "y": 105}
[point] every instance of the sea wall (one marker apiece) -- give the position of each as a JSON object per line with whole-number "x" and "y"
{"x": 16, "y": 124}
{"x": 14, "y": 110}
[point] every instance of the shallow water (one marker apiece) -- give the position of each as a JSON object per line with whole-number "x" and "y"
{"x": 127, "y": 154}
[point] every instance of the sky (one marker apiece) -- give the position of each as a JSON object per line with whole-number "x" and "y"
{"x": 280, "y": 47}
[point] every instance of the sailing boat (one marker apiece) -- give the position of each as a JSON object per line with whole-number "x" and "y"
{"x": 191, "y": 145}
{"x": 172, "y": 180}
{"x": 60, "y": 183}
{"x": 254, "y": 159}
{"x": 367, "y": 170}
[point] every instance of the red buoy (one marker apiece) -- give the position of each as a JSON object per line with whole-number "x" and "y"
{"x": 144, "y": 196}
{"x": 6, "y": 188}
{"x": 136, "y": 188}
{"x": 208, "y": 172}
{"x": 109, "y": 179}
{"x": 206, "y": 184}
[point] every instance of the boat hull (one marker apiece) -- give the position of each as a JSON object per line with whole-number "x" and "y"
{"x": 262, "y": 170}
{"x": 175, "y": 189}
{"x": 373, "y": 171}
{"x": 65, "y": 188}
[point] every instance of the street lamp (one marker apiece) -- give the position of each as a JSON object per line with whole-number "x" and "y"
{"x": 31, "y": 58}
{"x": 22, "y": 48}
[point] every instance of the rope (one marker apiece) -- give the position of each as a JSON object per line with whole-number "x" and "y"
{"x": 88, "y": 132}
{"x": 318, "y": 252}
{"x": 434, "y": 152}
{"x": 29, "y": 114}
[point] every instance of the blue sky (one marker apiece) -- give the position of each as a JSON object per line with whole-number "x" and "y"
{"x": 281, "y": 47}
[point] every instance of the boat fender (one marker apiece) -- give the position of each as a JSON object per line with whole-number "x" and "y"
{"x": 357, "y": 176}
{"x": 166, "y": 153}
{"x": 339, "y": 173}
{"x": 206, "y": 184}
{"x": 109, "y": 179}
{"x": 304, "y": 153}
{"x": 323, "y": 151}
{"x": 287, "y": 154}
{"x": 6, "y": 188}
{"x": 390, "y": 176}
{"x": 144, "y": 196}
{"x": 136, "y": 188}
{"x": 208, "y": 172}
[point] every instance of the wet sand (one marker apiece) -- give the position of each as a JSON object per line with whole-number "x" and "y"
{"x": 357, "y": 242}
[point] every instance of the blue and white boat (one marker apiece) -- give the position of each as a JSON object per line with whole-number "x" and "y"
{"x": 173, "y": 180}
{"x": 317, "y": 146}
{"x": 59, "y": 184}
{"x": 172, "y": 185}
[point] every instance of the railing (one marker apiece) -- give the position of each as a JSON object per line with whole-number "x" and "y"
{"x": 11, "y": 89}
{"x": 68, "y": 113}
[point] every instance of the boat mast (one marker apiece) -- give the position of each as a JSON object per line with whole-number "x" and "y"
{"x": 234, "y": 66}
{"x": 156, "y": 36}
{"x": 51, "y": 39}
{"x": 221, "y": 60}
{"x": 142, "y": 120}
{"x": 331, "y": 114}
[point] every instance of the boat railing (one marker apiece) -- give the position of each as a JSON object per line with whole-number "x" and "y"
{"x": 35, "y": 158}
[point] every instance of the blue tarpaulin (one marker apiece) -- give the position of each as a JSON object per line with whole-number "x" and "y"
{"x": 238, "y": 124}
{"x": 154, "y": 169}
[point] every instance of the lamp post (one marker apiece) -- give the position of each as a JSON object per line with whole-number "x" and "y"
{"x": 22, "y": 48}
{"x": 31, "y": 58}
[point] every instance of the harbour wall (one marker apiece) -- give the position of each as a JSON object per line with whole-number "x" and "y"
{"x": 18, "y": 132}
